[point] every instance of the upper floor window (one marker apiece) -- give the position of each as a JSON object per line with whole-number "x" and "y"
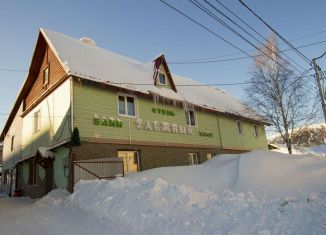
{"x": 127, "y": 105}
{"x": 190, "y": 117}
{"x": 162, "y": 79}
{"x": 37, "y": 121}
{"x": 239, "y": 125}
{"x": 255, "y": 130}
{"x": 12, "y": 144}
{"x": 46, "y": 76}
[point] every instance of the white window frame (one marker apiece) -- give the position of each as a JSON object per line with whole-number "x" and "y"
{"x": 37, "y": 121}
{"x": 193, "y": 158}
{"x": 126, "y": 106}
{"x": 159, "y": 80}
{"x": 187, "y": 115}
{"x": 239, "y": 127}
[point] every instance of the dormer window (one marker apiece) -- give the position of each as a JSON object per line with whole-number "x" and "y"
{"x": 162, "y": 79}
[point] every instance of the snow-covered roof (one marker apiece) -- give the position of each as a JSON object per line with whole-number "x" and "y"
{"x": 101, "y": 65}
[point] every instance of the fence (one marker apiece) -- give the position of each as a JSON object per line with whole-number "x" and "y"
{"x": 104, "y": 168}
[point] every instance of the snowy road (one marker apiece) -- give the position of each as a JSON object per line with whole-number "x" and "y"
{"x": 19, "y": 216}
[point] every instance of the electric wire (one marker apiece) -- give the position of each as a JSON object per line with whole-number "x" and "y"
{"x": 212, "y": 15}
{"x": 278, "y": 34}
{"x": 205, "y": 60}
{"x": 250, "y": 27}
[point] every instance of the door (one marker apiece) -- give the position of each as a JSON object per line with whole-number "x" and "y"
{"x": 130, "y": 160}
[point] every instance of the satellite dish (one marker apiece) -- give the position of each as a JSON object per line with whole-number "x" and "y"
{"x": 88, "y": 41}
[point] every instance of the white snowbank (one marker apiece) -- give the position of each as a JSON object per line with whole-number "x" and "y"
{"x": 315, "y": 151}
{"x": 254, "y": 193}
{"x": 256, "y": 171}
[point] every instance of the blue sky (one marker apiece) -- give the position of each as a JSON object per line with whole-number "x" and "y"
{"x": 142, "y": 29}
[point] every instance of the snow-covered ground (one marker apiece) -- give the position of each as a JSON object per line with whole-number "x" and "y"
{"x": 255, "y": 193}
{"x": 314, "y": 151}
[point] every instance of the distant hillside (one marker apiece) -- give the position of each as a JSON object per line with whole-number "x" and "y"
{"x": 308, "y": 136}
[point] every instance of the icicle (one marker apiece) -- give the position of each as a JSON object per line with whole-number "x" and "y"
{"x": 156, "y": 98}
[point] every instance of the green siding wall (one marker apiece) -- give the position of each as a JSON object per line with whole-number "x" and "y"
{"x": 25, "y": 172}
{"x": 90, "y": 100}
{"x": 59, "y": 175}
{"x": 231, "y": 139}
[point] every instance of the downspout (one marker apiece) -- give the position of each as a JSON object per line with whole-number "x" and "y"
{"x": 219, "y": 131}
{"x": 71, "y": 105}
{"x": 72, "y": 149}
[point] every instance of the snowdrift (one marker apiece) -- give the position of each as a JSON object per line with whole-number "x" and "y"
{"x": 255, "y": 193}
{"x": 258, "y": 171}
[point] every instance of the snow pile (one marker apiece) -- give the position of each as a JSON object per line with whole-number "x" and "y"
{"x": 314, "y": 151}
{"x": 319, "y": 149}
{"x": 257, "y": 171}
{"x": 254, "y": 193}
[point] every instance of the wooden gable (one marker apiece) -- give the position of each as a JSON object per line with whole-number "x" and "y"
{"x": 55, "y": 70}
{"x": 33, "y": 90}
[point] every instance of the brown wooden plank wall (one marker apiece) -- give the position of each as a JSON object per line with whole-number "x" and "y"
{"x": 56, "y": 72}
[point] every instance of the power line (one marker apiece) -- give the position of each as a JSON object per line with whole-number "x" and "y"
{"x": 237, "y": 53}
{"x": 202, "y": 61}
{"x": 204, "y": 27}
{"x": 13, "y": 70}
{"x": 206, "y": 60}
{"x": 259, "y": 34}
{"x": 308, "y": 35}
{"x": 280, "y": 36}
{"x": 219, "y": 20}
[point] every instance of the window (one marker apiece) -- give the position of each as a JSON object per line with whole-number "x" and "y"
{"x": 12, "y": 144}
{"x": 6, "y": 177}
{"x": 32, "y": 173}
{"x": 190, "y": 117}
{"x": 37, "y": 121}
{"x": 210, "y": 156}
{"x": 255, "y": 130}
{"x": 193, "y": 159}
{"x": 162, "y": 78}
{"x": 127, "y": 105}
{"x": 24, "y": 105}
{"x": 239, "y": 125}
{"x": 46, "y": 76}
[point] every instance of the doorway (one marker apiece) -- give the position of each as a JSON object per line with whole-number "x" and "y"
{"x": 130, "y": 161}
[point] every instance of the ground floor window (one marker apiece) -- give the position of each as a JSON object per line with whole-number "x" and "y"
{"x": 193, "y": 158}
{"x": 32, "y": 172}
{"x": 255, "y": 130}
{"x": 130, "y": 160}
{"x": 6, "y": 177}
{"x": 210, "y": 156}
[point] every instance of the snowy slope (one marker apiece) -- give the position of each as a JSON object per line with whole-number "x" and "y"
{"x": 259, "y": 193}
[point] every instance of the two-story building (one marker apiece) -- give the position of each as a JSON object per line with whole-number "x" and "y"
{"x": 138, "y": 112}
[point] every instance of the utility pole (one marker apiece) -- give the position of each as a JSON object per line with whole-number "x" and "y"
{"x": 321, "y": 92}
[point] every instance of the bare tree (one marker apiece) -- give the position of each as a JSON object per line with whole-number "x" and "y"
{"x": 278, "y": 94}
